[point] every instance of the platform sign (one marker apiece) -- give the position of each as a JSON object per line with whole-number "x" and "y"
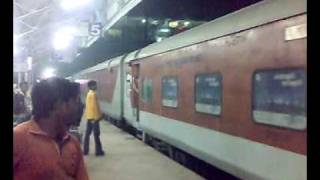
{"x": 95, "y": 29}
{"x": 108, "y": 13}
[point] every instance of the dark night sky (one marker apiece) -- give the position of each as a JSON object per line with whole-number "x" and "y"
{"x": 193, "y": 9}
{"x": 200, "y": 10}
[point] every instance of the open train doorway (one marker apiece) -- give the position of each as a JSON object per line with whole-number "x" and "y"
{"x": 135, "y": 86}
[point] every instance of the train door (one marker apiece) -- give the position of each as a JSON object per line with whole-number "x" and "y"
{"x": 135, "y": 92}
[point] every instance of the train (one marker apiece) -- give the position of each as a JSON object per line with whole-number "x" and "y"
{"x": 231, "y": 92}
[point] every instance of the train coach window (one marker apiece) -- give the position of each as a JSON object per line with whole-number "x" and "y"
{"x": 208, "y": 93}
{"x": 280, "y": 98}
{"x": 147, "y": 90}
{"x": 170, "y": 91}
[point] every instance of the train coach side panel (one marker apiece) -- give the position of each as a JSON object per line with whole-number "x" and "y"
{"x": 113, "y": 107}
{"x": 238, "y": 156}
{"x": 108, "y": 90}
{"x": 236, "y": 58}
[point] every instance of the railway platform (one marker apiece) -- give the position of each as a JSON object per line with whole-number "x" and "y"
{"x": 128, "y": 158}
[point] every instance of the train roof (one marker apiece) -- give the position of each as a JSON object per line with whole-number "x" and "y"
{"x": 108, "y": 63}
{"x": 255, "y": 15}
{"x": 252, "y": 16}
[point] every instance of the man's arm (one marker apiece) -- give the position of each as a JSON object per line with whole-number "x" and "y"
{"x": 97, "y": 105}
{"x": 81, "y": 173}
{"x": 18, "y": 143}
{"x": 134, "y": 85}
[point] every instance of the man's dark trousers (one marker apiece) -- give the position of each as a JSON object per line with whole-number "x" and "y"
{"x": 92, "y": 125}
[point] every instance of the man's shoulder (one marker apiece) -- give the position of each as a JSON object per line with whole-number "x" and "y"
{"x": 21, "y": 133}
{"x": 75, "y": 141}
{"x": 91, "y": 94}
{"x": 73, "y": 138}
{"x": 22, "y": 128}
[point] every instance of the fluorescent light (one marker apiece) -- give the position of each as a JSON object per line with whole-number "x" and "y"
{"x": 158, "y": 39}
{"x": 48, "y": 73}
{"x": 15, "y": 50}
{"x": 81, "y": 81}
{"x": 29, "y": 61}
{"x": 173, "y": 24}
{"x": 63, "y": 37}
{"x": 165, "y": 30}
{"x": 15, "y": 38}
{"x": 155, "y": 22}
{"x": 74, "y": 4}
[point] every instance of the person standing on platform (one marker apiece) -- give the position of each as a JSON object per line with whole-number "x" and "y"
{"x": 25, "y": 90}
{"x": 24, "y": 86}
{"x": 93, "y": 115}
{"x": 21, "y": 104}
{"x": 42, "y": 146}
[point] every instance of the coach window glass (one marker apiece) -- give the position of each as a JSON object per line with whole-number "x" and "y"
{"x": 208, "y": 93}
{"x": 280, "y": 98}
{"x": 170, "y": 91}
{"x": 147, "y": 90}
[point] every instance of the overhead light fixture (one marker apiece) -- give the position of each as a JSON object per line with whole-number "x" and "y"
{"x": 155, "y": 22}
{"x": 48, "y": 73}
{"x": 81, "y": 81}
{"x": 29, "y": 62}
{"x": 143, "y": 20}
{"x": 173, "y": 24}
{"x": 186, "y": 23}
{"x": 70, "y": 5}
{"x": 63, "y": 37}
{"x": 15, "y": 38}
{"x": 15, "y": 50}
{"x": 158, "y": 39}
{"x": 164, "y": 30}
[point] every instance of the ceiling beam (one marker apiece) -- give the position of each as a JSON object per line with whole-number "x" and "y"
{"x": 32, "y": 13}
{"x": 20, "y": 6}
{"x": 29, "y": 26}
{"x": 24, "y": 34}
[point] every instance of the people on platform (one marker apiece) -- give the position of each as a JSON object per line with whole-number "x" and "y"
{"x": 27, "y": 96}
{"x": 42, "y": 146}
{"x": 93, "y": 115}
{"x": 21, "y": 103}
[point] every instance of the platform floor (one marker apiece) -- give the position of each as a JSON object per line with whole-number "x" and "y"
{"x": 127, "y": 158}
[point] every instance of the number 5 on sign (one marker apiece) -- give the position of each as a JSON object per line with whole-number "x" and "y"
{"x": 95, "y": 29}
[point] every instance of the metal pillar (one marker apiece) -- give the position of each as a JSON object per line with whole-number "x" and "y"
{"x": 19, "y": 77}
{"x": 26, "y": 77}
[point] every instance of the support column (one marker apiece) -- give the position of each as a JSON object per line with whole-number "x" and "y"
{"x": 19, "y": 77}
{"x": 26, "y": 79}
